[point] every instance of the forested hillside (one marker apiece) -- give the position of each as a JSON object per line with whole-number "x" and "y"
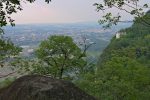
{"x": 123, "y": 71}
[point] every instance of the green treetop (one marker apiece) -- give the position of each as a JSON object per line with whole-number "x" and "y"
{"x": 62, "y": 55}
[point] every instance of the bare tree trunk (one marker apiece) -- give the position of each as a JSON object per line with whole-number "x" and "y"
{"x": 61, "y": 72}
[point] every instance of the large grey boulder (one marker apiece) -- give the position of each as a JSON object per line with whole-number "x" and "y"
{"x": 36, "y": 87}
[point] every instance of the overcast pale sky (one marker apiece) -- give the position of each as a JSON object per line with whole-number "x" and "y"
{"x": 60, "y": 11}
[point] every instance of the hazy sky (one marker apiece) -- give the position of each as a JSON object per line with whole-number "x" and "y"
{"x": 60, "y": 11}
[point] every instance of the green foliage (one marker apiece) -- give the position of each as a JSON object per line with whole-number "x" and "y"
{"x": 123, "y": 70}
{"x": 133, "y": 7}
{"x": 7, "y": 50}
{"x": 87, "y": 80}
{"x": 8, "y": 7}
{"x": 123, "y": 78}
{"x": 6, "y": 82}
{"x": 62, "y": 55}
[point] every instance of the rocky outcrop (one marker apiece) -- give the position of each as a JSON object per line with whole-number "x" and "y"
{"x": 42, "y": 88}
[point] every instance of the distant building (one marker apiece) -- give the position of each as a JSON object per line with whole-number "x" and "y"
{"x": 30, "y": 50}
{"x": 118, "y": 34}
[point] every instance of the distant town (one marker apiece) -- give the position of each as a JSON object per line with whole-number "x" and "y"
{"x": 29, "y": 36}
